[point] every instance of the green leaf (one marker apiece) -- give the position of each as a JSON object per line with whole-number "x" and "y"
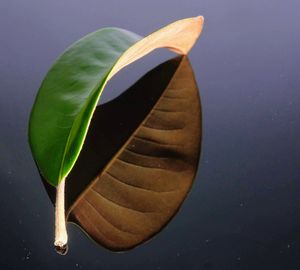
{"x": 69, "y": 93}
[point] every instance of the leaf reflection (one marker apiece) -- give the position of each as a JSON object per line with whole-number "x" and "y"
{"x": 139, "y": 159}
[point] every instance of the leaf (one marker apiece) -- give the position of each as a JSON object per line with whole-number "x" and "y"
{"x": 145, "y": 174}
{"x": 69, "y": 93}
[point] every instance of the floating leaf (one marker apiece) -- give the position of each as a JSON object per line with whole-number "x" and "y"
{"x": 147, "y": 162}
{"x": 70, "y": 91}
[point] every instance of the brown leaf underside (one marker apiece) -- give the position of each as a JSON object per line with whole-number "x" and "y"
{"x": 143, "y": 186}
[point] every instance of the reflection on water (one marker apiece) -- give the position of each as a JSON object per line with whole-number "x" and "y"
{"x": 139, "y": 159}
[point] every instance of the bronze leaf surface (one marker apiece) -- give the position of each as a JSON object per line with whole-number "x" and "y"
{"x": 139, "y": 159}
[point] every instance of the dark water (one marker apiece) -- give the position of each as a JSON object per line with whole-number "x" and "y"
{"x": 243, "y": 210}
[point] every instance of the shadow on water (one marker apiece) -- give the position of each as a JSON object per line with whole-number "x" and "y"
{"x": 139, "y": 159}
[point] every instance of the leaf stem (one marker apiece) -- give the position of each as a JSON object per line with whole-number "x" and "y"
{"x": 61, "y": 236}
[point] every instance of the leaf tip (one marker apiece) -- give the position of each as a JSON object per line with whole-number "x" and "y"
{"x": 200, "y": 18}
{"x": 200, "y": 21}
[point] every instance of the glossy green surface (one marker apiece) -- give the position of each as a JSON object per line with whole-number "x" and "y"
{"x": 67, "y": 99}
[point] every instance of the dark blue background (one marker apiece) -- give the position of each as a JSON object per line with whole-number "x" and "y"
{"x": 243, "y": 211}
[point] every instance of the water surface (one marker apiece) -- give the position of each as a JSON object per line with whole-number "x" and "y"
{"x": 243, "y": 210}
